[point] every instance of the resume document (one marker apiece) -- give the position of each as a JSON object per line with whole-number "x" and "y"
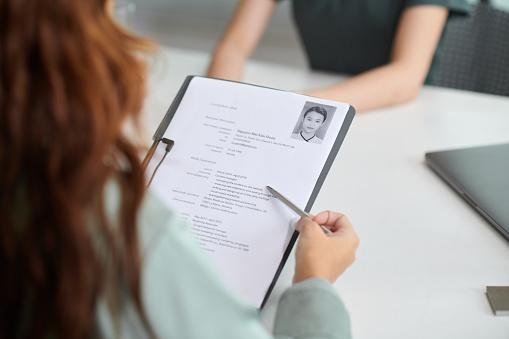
{"x": 232, "y": 140}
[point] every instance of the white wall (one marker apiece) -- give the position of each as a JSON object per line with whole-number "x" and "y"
{"x": 198, "y": 24}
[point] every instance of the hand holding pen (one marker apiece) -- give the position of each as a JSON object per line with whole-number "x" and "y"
{"x": 324, "y": 256}
{"x": 327, "y": 243}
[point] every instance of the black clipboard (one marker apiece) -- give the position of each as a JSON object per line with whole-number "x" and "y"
{"x": 165, "y": 122}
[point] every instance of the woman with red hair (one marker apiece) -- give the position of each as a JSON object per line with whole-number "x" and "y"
{"x": 84, "y": 251}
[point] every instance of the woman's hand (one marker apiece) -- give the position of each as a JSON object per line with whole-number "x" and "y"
{"x": 324, "y": 256}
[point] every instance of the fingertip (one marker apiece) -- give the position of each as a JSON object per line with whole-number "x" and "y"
{"x": 323, "y": 217}
{"x": 302, "y": 223}
{"x": 318, "y": 216}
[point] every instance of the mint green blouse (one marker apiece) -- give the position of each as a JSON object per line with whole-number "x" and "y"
{"x": 183, "y": 296}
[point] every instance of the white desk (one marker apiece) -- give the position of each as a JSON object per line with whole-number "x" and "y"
{"x": 425, "y": 256}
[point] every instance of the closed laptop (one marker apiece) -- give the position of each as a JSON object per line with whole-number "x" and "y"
{"x": 480, "y": 175}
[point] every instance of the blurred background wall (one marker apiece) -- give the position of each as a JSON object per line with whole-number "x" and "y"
{"x": 198, "y": 24}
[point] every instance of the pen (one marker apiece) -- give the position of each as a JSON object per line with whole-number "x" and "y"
{"x": 293, "y": 207}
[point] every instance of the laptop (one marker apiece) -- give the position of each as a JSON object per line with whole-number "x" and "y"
{"x": 480, "y": 175}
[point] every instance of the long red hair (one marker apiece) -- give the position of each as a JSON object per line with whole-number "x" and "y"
{"x": 69, "y": 77}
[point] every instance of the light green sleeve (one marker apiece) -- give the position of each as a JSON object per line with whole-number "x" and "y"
{"x": 184, "y": 298}
{"x": 312, "y": 309}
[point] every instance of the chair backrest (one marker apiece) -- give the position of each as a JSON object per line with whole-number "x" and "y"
{"x": 475, "y": 52}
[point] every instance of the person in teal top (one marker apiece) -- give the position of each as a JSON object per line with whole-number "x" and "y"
{"x": 85, "y": 250}
{"x": 389, "y": 47}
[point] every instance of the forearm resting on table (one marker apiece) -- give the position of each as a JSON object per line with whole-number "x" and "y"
{"x": 387, "y": 85}
{"x": 240, "y": 38}
{"x": 401, "y": 79}
{"x": 227, "y": 63}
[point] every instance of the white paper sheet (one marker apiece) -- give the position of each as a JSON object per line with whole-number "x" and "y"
{"x": 231, "y": 140}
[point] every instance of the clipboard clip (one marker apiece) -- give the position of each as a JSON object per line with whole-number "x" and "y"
{"x": 169, "y": 145}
